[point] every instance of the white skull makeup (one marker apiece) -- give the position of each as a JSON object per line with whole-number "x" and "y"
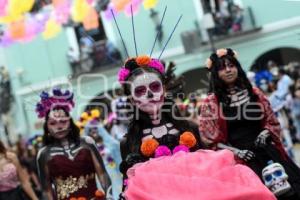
{"x": 58, "y": 124}
{"x": 147, "y": 92}
{"x": 275, "y": 179}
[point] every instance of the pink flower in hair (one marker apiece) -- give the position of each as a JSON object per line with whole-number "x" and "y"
{"x": 208, "y": 63}
{"x": 156, "y": 64}
{"x": 162, "y": 151}
{"x": 221, "y": 52}
{"x": 180, "y": 148}
{"x": 123, "y": 74}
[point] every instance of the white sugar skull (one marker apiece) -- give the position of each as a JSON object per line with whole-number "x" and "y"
{"x": 276, "y": 179}
{"x": 147, "y": 92}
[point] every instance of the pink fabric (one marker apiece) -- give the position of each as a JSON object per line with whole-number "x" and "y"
{"x": 8, "y": 178}
{"x": 201, "y": 175}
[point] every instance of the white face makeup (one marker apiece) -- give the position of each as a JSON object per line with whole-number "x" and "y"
{"x": 147, "y": 92}
{"x": 58, "y": 124}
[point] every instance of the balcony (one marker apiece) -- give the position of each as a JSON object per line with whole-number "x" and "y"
{"x": 235, "y": 25}
{"x": 99, "y": 56}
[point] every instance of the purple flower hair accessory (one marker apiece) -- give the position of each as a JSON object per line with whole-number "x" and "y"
{"x": 59, "y": 99}
{"x": 123, "y": 74}
{"x": 180, "y": 147}
{"x": 162, "y": 150}
{"x": 156, "y": 64}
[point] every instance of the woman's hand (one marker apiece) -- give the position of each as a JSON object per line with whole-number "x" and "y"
{"x": 262, "y": 138}
{"x": 245, "y": 155}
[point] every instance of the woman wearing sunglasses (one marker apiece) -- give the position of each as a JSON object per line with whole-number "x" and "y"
{"x": 160, "y": 153}
{"x": 67, "y": 164}
{"x": 238, "y": 117}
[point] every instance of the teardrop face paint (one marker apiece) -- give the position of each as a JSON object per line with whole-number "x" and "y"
{"x": 147, "y": 92}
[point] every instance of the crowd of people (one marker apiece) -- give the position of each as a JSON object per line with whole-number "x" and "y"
{"x": 92, "y": 55}
{"x": 229, "y": 143}
{"x": 228, "y": 16}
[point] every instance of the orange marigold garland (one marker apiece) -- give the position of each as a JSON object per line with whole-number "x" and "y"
{"x": 143, "y": 60}
{"x": 188, "y": 139}
{"x": 148, "y": 147}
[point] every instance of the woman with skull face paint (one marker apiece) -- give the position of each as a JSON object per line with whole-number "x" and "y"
{"x": 238, "y": 117}
{"x": 67, "y": 164}
{"x": 143, "y": 82}
{"x": 155, "y": 133}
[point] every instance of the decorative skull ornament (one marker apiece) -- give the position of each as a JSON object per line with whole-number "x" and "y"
{"x": 147, "y": 92}
{"x": 276, "y": 179}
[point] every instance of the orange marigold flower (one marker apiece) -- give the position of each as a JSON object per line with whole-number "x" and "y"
{"x": 81, "y": 198}
{"x": 143, "y": 60}
{"x": 188, "y": 139}
{"x": 148, "y": 147}
{"x": 99, "y": 193}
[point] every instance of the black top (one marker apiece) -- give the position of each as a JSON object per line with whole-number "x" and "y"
{"x": 243, "y": 124}
{"x": 130, "y": 158}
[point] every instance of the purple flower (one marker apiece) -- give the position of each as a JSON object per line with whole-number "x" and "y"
{"x": 180, "y": 148}
{"x": 156, "y": 64}
{"x": 162, "y": 150}
{"x": 123, "y": 74}
{"x": 44, "y": 95}
{"x": 110, "y": 159}
{"x": 57, "y": 92}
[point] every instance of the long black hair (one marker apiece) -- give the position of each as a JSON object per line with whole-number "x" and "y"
{"x": 73, "y": 135}
{"x": 218, "y": 86}
{"x": 2, "y": 148}
{"x": 142, "y": 121}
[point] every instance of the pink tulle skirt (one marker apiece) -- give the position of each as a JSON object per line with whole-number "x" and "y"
{"x": 201, "y": 175}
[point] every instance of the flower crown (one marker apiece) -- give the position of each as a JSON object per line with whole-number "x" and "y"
{"x": 58, "y": 99}
{"x": 220, "y": 53}
{"x": 140, "y": 61}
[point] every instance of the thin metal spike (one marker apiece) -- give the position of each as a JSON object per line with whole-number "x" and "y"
{"x": 170, "y": 37}
{"x": 157, "y": 34}
{"x": 112, "y": 12}
{"x": 133, "y": 31}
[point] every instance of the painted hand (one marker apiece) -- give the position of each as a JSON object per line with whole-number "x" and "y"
{"x": 245, "y": 155}
{"x": 262, "y": 138}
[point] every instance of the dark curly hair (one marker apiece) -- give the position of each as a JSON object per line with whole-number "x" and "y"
{"x": 73, "y": 136}
{"x": 218, "y": 86}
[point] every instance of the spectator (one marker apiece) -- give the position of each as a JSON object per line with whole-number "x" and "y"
{"x": 237, "y": 18}
{"x": 74, "y": 60}
{"x": 12, "y": 176}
